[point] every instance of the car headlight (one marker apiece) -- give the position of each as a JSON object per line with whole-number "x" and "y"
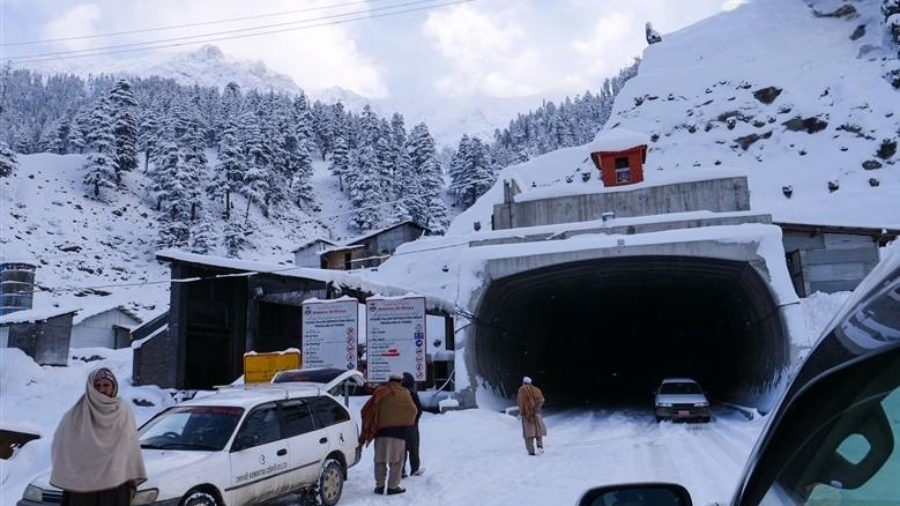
{"x": 144, "y": 496}
{"x": 701, "y": 404}
{"x": 33, "y": 493}
{"x": 665, "y": 405}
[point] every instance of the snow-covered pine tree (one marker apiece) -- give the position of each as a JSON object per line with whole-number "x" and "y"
{"x": 149, "y": 136}
{"x": 431, "y": 211}
{"x": 100, "y": 166}
{"x": 123, "y": 112}
{"x": 78, "y": 129}
{"x": 8, "y": 161}
{"x": 229, "y": 171}
{"x": 477, "y": 173}
{"x": 340, "y": 160}
{"x": 234, "y": 237}
{"x": 202, "y": 234}
{"x": 323, "y": 127}
{"x": 365, "y": 191}
{"x": 191, "y": 140}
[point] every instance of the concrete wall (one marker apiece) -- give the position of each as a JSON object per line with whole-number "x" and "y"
{"x": 716, "y": 195}
{"x": 828, "y": 262}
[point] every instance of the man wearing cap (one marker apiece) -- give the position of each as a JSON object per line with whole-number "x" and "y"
{"x": 386, "y": 419}
{"x": 531, "y": 401}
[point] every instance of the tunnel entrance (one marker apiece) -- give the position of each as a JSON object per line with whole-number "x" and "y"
{"x": 606, "y": 331}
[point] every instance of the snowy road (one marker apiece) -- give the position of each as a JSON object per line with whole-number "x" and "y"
{"x": 478, "y": 457}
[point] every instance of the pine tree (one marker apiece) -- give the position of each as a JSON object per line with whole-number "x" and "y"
{"x": 431, "y": 212}
{"x": 202, "y": 235}
{"x": 365, "y": 191}
{"x": 149, "y": 136}
{"x": 100, "y": 172}
{"x": 340, "y": 160}
{"x": 100, "y": 164}
{"x": 229, "y": 171}
{"x": 8, "y": 162}
{"x": 234, "y": 237}
{"x": 123, "y": 109}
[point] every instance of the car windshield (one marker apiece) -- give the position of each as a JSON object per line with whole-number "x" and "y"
{"x": 202, "y": 428}
{"x": 307, "y": 375}
{"x": 681, "y": 387}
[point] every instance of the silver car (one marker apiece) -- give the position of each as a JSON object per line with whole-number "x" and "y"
{"x": 681, "y": 399}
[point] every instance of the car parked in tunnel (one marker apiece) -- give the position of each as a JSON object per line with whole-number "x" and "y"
{"x": 681, "y": 399}
{"x": 834, "y": 437}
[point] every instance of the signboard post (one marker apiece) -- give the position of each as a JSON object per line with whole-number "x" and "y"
{"x": 260, "y": 367}
{"x": 330, "y": 333}
{"x": 396, "y": 340}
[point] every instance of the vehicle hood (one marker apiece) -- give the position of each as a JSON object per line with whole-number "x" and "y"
{"x": 162, "y": 462}
{"x": 680, "y": 398}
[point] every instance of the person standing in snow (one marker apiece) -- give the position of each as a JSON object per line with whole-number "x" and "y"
{"x": 412, "y": 437}
{"x": 386, "y": 419}
{"x": 531, "y": 402}
{"x": 96, "y": 457}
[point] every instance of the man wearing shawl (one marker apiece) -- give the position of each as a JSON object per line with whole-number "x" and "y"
{"x": 95, "y": 453}
{"x": 386, "y": 418}
{"x": 531, "y": 402}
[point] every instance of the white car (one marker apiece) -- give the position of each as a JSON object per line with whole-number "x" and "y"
{"x": 241, "y": 446}
{"x": 681, "y": 399}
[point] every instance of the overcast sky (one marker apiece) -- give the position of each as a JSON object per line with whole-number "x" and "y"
{"x": 501, "y": 48}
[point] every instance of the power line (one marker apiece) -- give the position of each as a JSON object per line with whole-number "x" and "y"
{"x": 160, "y": 44}
{"x": 186, "y": 25}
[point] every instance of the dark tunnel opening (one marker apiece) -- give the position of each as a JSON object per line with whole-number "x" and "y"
{"x": 607, "y": 331}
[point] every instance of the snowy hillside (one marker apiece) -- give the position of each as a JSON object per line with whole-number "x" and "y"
{"x": 90, "y": 251}
{"x": 794, "y": 99}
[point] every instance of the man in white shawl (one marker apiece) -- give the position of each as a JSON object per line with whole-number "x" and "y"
{"x": 95, "y": 454}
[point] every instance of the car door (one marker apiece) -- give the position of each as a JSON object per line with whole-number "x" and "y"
{"x": 259, "y": 457}
{"x": 337, "y": 431}
{"x": 304, "y": 447}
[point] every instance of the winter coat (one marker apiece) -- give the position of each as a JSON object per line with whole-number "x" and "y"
{"x": 531, "y": 402}
{"x": 390, "y": 409}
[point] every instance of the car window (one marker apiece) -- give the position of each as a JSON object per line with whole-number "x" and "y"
{"x": 260, "y": 427}
{"x": 298, "y": 419}
{"x": 680, "y": 388}
{"x": 848, "y": 453}
{"x": 191, "y": 428}
{"x": 327, "y": 411}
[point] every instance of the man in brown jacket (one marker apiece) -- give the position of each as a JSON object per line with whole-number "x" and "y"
{"x": 386, "y": 418}
{"x": 531, "y": 402}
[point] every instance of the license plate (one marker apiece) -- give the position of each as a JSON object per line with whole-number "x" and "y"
{"x": 684, "y": 413}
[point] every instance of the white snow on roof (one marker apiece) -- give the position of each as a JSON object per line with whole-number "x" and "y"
{"x": 340, "y": 278}
{"x": 36, "y": 315}
{"x": 313, "y": 241}
{"x": 617, "y": 139}
{"x": 96, "y": 309}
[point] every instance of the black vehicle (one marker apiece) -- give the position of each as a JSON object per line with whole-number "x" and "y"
{"x": 833, "y": 439}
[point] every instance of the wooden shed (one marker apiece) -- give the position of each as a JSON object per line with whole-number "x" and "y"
{"x": 372, "y": 249}
{"x": 619, "y": 155}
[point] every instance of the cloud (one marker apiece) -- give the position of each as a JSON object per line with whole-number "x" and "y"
{"x": 77, "y": 21}
{"x": 316, "y": 57}
{"x": 487, "y": 52}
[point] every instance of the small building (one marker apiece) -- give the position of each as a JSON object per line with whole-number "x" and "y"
{"x": 619, "y": 155}
{"x": 309, "y": 254}
{"x": 103, "y": 327}
{"x": 827, "y": 258}
{"x": 372, "y": 249}
{"x": 43, "y": 334}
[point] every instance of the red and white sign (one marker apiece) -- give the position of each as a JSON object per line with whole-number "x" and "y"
{"x": 396, "y": 341}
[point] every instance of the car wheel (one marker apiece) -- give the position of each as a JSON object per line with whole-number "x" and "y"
{"x": 659, "y": 419}
{"x": 331, "y": 483}
{"x": 199, "y": 498}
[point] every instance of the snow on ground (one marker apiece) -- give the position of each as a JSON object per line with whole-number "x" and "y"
{"x": 471, "y": 456}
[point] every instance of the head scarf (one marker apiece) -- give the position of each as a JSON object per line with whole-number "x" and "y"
{"x": 95, "y": 447}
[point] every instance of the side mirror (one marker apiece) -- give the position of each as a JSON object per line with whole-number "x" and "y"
{"x": 637, "y": 494}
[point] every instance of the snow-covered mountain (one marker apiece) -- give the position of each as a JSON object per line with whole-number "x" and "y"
{"x": 790, "y": 91}
{"x": 792, "y": 98}
{"x": 447, "y": 118}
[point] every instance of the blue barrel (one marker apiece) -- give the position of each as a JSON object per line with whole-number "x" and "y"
{"x": 16, "y": 286}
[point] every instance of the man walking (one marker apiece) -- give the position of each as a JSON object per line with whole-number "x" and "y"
{"x": 531, "y": 402}
{"x": 386, "y": 419}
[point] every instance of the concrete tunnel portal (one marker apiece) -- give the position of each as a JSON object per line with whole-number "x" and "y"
{"x": 606, "y": 331}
